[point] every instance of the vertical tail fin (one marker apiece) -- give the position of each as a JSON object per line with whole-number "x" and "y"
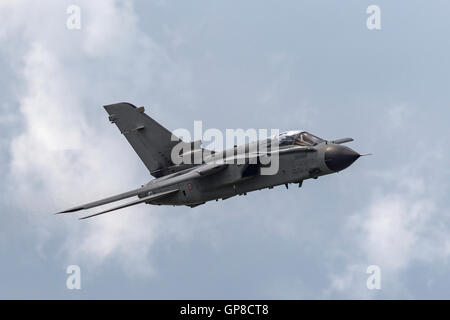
{"x": 151, "y": 141}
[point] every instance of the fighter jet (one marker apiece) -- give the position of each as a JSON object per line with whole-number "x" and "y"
{"x": 218, "y": 175}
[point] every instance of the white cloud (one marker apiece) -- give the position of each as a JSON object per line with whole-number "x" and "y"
{"x": 351, "y": 282}
{"x": 397, "y": 115}
{"x": 60, "y": 158}
{"x": 394, "y": 228}
{"x": 401, "y": 225}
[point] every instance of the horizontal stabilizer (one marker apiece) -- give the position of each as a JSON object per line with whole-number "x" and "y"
{"x": 132, "y": 203}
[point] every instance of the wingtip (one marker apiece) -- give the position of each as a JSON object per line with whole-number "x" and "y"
{"x": 70, "y": 210}
{"x": 93, "y": 215}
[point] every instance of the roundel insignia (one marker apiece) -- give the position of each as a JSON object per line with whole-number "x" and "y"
{"x": 189, "y": 185}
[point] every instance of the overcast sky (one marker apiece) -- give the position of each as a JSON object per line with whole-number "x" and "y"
{"x": 310, "y": 65}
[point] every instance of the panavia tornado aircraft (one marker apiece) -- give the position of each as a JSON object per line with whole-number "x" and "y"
{"x": 218, "y": 175}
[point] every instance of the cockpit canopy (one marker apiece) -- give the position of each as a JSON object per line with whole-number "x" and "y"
{"x": 297, "y": 137}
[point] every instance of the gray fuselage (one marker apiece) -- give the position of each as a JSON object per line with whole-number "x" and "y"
{"x": 294, "y": 167}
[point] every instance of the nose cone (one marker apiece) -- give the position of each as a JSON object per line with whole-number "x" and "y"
{"x": 339, "y": 157}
